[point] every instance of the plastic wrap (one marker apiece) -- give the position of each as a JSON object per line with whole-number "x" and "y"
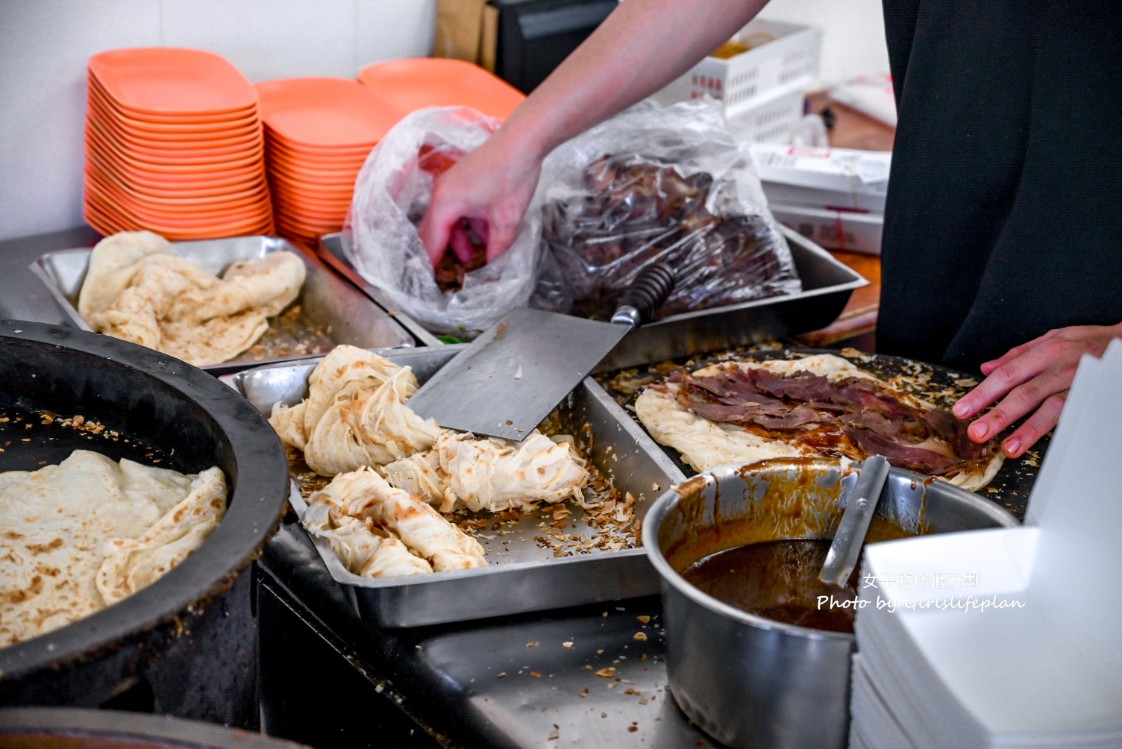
{"x": 669, "y": 183}
{"x": 380, "y": 236}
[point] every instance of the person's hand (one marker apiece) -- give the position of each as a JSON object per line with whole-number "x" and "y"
{"x": 486, "y": 193}
{"x": 1031, "y": 380}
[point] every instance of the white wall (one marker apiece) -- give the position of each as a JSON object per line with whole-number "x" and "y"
{"x": 852, "y": 34}
{"x": 45, "y": 44}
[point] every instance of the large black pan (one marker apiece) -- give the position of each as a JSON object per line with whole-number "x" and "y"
{"x": 163, "y": 409}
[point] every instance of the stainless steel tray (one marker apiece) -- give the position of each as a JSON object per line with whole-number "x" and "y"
{"x": 330, "y": 250}
{"x": 827, "y": 286}
{"x": 337, "y": 311}
{"x": 522, "y": 575}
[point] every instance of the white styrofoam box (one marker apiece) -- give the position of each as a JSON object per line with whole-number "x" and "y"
{"x": 950, "y": 659}
{"x": 786, "y": 63}
{"x": 847, "y": 231}
{"x": 824, "y": 177}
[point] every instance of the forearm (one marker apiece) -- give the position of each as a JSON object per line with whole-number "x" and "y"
{"x": 638, "y": 49}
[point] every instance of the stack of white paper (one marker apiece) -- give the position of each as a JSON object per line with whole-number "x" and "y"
{"x": 1007, "y": 638}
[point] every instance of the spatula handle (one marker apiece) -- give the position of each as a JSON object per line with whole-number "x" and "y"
{"x": 645, "y": 295}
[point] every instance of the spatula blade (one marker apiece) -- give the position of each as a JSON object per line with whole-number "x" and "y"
{"x": 510, "y": 377}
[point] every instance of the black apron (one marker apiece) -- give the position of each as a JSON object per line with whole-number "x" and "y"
{"x": 1004, "y": 211}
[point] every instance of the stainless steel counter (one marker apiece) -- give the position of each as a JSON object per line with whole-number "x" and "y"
{"x": 22, "y": 295}
{"x": 587, "y": 677}
{"x": 327, "y": 679}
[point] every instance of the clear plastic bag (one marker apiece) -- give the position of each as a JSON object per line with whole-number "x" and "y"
{"x": 380, "y": 238}
{"x": 661, "y": 183}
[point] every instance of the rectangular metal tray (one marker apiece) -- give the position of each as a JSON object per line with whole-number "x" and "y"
{"x": 330, "y": 250}
{"x": 330, "y": 304}
{"x": 521, "y": 576}
{"x": 827, "y": 286}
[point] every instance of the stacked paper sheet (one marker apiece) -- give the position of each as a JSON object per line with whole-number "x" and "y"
{"x": 1007, "y": 638}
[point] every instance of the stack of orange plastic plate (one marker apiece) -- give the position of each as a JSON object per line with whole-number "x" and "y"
{"x": 318, "y": 133}
{"x": 422, "y": 82}
{"x": 175, "y": 145}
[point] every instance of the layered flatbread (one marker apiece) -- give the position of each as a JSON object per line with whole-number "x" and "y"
{"x": 138, "y": 290}
{"x": 86, "y": 533}
{"x": 355, "y": 414}
{"x": 491, "y": 474}
{"x": 820, "y": 405}
{"x": 362, "y": 548}
{"x": 394, "y": 521}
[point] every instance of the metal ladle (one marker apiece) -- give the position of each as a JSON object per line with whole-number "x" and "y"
{"x": 858, "y": 514}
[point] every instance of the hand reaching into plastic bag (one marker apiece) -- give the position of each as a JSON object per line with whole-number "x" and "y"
{"x": 480, "y": 199}
{"x": 637, "y": 50}
{"x": 462, "y": 293}
{"x": 1032, "y": 378}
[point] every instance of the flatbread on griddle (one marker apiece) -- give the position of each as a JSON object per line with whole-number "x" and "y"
{"x": 705, "y": 444}
{"x": 89, "y": 531}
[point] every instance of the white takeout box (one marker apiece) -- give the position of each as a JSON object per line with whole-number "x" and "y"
{"x": 823, "y": 177}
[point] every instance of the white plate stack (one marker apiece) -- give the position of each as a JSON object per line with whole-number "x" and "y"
{"x": 1007, "y": 638}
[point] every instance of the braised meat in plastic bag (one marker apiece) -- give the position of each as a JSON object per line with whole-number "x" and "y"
{"x": 662, "y": 183}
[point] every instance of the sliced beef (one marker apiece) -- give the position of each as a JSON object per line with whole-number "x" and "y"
{"x": 869, "y": 415}
{"x": 800, "y": 386}
{"x": 778, "y": 417}
{"x": 871, "y": 398}
{"x": 725, "y": 389}
{"x": 952, "y": 430}
{"x": 911, "y": 430}
{"x": 912, "y": 458}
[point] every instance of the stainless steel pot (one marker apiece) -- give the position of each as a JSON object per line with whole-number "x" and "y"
{"x": 751, "y": 681}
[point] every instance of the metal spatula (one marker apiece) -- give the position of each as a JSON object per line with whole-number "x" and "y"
{"x": 510, "y": 377}
{"x": 858, "y": 514}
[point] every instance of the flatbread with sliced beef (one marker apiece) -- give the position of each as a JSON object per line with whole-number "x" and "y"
{"x": 820, "y": 405}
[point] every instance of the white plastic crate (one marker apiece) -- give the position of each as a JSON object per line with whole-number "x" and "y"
{"x": 773, "y": 120}
{"x": 786, "y": 63}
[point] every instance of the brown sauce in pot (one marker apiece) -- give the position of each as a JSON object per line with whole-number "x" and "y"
{"x": 778, "y": 580}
